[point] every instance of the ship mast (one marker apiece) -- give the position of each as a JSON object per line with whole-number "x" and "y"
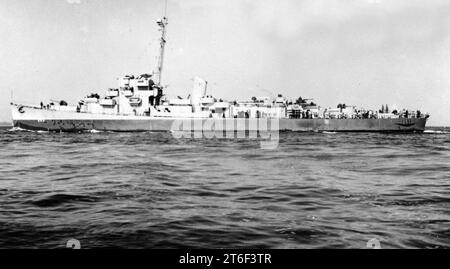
{"x": 162, "y": 27}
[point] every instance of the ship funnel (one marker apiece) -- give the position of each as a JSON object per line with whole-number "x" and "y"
{"x": 198, "y": 91}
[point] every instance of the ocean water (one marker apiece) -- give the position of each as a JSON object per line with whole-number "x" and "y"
{"x": 150, "y": 190}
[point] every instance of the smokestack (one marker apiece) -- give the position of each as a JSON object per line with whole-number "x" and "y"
{"x": 198, "y": 91}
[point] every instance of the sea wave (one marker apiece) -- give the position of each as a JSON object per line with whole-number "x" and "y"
{"x": 17, "y": 129}
{"x": 151, "y": 190}
{"x": 436, "y": 132}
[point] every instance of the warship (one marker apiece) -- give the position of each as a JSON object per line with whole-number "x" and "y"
{"x": 140, "y": 104}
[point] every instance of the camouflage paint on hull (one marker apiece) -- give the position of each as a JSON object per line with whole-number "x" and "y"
{"x": 354, "y": 125}
{"x": 47, "y": 120}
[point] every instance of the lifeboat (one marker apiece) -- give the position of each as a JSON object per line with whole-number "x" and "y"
{"x": 112, "y": 93}
{"x": 107, "y": 102}
{"x": 135, "y": 101}
{"x": 88, "y": 100}
{"x": 128, "y": 93}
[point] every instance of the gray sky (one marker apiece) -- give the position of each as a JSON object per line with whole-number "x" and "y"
{"x": 358, "y": 52}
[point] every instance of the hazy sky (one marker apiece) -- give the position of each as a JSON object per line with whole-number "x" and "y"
{"x": 358, "y": 52}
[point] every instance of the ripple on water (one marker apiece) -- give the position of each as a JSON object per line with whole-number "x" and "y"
{"x": 151, "y": 190}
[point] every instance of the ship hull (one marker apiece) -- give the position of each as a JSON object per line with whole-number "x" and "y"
{"x": 31, "y": 118}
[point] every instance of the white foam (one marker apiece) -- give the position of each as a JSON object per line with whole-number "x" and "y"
{"x": 436, "y": 132}
{"x": 17, "y": 129}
